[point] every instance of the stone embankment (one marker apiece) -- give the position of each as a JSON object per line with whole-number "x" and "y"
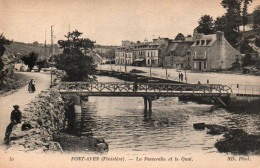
{"x": 44, "y": 117}
{"x": 45, "y": 120}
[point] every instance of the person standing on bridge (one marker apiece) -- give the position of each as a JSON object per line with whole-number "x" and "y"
{"x": 16, "y": 117}
{"x": 135, "y": 86}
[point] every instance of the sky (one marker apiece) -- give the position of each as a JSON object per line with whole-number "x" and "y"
{"x": 107, "y": 22}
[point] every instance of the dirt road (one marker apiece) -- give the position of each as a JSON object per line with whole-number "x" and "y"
{"x": 21, "y": 98}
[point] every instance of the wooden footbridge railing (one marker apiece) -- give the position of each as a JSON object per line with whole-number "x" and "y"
{"x": 143, "y": 89}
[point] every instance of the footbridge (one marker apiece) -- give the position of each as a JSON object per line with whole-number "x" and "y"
{"x": 149, "y": 91}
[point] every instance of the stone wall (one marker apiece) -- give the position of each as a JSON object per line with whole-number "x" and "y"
{"x": 41, "y": 119}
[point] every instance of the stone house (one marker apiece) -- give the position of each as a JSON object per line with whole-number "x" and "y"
{"x": 155, "y": 52}
{"x": 97, "y": 59}
{"x": 213, "y": 52}
{"x": 120, "y": 55}
{"x": 139, "y": 50}
{"x": 147, "y": 53}
{"x": 178, "y": 55}
{"x": 129, "y": 59}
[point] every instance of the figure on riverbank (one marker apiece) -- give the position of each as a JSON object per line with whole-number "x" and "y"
{"x": 16, "y": 117}
{"x": 31, "y": 86}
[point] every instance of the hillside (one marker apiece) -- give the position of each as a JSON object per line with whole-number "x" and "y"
{"x": 19, "y": 48}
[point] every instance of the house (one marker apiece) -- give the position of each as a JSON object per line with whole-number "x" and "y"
{"x": 97, "y": 59}
{"x": 155, "y": 52}
{"x": 178, "y": 54}
{"x": 213, "y": 52}
{"x": 120, "y": 55}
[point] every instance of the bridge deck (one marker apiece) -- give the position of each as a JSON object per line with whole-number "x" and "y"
{"x": 141, "y": 94}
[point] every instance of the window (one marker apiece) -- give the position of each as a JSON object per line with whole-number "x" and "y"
{"x": 208, "y": 41}
{"x": 181, "y": 65}
{"x": 188, "y": 59}
{"x": 148, "y": 54}
{"x": 202, "y": 42}
{"x": 151, "y": 53}
{"x": 197, "y": 42}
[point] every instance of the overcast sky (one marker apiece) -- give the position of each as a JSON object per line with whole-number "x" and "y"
{"x": 107, "y": 22}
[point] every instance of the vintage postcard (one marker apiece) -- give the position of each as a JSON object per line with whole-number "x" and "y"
{"x": 130, "y": 83}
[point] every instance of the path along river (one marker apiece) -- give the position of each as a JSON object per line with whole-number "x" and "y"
{"x": 122, "y": 123}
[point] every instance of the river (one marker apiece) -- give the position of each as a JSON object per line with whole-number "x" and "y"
{"x": 122, "y": 123}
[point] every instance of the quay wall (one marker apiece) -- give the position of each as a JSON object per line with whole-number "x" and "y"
{"x": 246, "y": 103}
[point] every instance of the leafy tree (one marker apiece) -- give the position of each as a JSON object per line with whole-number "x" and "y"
{"x": 233, "y": 17}
{"x": 230, "y": 22}
{"x": 74, "y": 59}
{"x": 3, "y": 42}
{"x": 248, "y": 51}
{"x": 180, "y": 37}
{"x": 244, "y": 12}
{"x": 220, "y": 23}
{"x": 30, "y": 60}
{"x": 256, "y": 18}
{"x": 41, "y": 64}
{"x": 206, "y": 25}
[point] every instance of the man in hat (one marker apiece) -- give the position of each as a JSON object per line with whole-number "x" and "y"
{"x": 16, "y": 117}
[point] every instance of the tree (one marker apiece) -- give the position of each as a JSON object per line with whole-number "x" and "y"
{"x": 230, "y": 22}
{"x": 256, "y": 18}
{"x": 233, "y": 17}
{"x": 179, "y": 37}
{"x": 206, "y": 25}
{"x": 74, "y": 59}
{"x": 220, "y": 23}
{"x": 30, "y": 60}
{"x": 3, "y": 42}
{"x": 41, "y": 64}
{"x": 244, "y": 12}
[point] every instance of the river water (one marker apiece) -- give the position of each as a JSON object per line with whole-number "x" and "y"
{"x": 123, "y": 125}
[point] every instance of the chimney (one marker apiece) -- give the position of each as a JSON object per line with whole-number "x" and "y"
{"x": 220, "y": 35}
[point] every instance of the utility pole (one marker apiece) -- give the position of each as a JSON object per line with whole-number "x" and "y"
{"x": 52, "y": 48}
{"x": 52, "y": 53}
{"x": 125, "y": 66}
{"x": 110, "y": 61}
{"x": 165, "y": 66}
{"x": 185, "y": 73}
{"x": 45, "y": 47}
{"x": 150, "y": 68}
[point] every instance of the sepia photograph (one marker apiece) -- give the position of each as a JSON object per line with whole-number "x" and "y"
{"x": 130, "y": 83}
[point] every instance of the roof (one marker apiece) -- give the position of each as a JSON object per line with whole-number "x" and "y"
{"x": 208, "y": 40}
{"x": 179, "y": 48}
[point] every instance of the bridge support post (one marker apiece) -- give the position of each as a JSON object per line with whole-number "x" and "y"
{"x": 145, "y": 104}
{"x": 148, "y": 102}
{"x": 150, "y": 105}
{"x": 78, "y": 111}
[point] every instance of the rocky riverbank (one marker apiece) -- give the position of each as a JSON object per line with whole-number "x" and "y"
{"x": 43, "y": 117}
{"x": 236, "y": 141}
